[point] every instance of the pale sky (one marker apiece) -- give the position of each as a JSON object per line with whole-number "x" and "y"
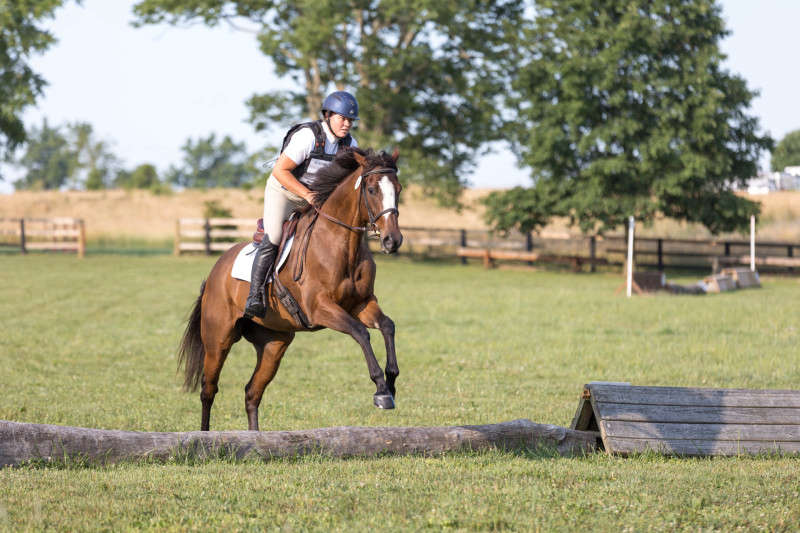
{"x": 148, "y": 89}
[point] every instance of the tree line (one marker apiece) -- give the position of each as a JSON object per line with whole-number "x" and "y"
{"x": 71, "y": 156}
{"x": 616, "y": 108}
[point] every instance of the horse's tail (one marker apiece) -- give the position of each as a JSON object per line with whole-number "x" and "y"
{"x": 191, "y": 352}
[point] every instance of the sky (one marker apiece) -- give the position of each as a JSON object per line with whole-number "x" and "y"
{"x": 148, "y": 89}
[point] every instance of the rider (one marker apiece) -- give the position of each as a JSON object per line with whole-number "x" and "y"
{"x": 310, "y": 146}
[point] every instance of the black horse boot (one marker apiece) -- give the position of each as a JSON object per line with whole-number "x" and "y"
{"x": 265, "y": 257}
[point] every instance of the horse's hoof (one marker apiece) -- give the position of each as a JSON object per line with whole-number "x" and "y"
{"x": 383, "y": 401}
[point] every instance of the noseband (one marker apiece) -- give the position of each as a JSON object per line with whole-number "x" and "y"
{"x": 373, "y": 219}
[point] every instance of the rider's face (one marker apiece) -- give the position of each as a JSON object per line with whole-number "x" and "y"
{"x": 340, "y": 125}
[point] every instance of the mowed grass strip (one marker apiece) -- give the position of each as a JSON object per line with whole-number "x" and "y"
{"x": 92, "y": 343}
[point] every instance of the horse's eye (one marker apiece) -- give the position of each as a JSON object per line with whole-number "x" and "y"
{"x": 371, "y": 190}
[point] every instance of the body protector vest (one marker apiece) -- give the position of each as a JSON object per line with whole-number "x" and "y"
{"x": 306, "y": 171}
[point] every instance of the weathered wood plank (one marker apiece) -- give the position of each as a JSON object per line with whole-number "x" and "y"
{"x": 193, "y": 246}
{"x": 625, "y": 446}
{"x": 698, "y": 415}
{"x": 72, "y": 245}
{"x": 22, "y": 442}
{"x": 744, "y": 277}
{"x": 694, "y": 396}
{"x": 719, "y": 283}
{"x": 678, "y": 431}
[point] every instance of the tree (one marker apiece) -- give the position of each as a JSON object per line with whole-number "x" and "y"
{"x": 787, "y": 152}
{"x": 75, "y": 158}
{"x": 144, "y": 176}
{"x": 49, "y": 160}
{"x": 627, "y": 110}
{"x": 429, "y": 75}
{"x": 20, "y": 86}
{"x": 207, "y": 163}
{"x": 96, "y": 163}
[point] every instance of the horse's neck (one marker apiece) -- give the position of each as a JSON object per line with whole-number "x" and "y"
{"x": 344, "y": 204}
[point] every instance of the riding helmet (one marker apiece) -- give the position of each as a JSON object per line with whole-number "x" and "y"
{"x": 341, "y": 102}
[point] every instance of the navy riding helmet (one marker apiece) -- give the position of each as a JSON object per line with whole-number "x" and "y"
{"x": 343, "y": 103}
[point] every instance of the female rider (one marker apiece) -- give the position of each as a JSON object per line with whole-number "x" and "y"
{"x": 310, "y": 146}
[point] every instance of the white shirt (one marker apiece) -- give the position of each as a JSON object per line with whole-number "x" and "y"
{"x": 302, "y": 143}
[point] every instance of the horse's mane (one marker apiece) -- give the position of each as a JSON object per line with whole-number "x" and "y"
{"x": 328, "y": 178}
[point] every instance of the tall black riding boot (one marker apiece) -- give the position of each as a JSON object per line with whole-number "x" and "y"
{"x": 265, "y": 257}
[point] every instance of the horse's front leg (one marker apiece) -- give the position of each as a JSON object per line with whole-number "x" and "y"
{"x": 372, "y": 316}
{"x": 332, "y": 316}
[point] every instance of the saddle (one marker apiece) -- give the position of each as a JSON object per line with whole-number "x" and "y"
{"x": 281, "y": 292}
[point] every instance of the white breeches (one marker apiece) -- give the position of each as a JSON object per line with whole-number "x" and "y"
{"x": 278, "y": 205}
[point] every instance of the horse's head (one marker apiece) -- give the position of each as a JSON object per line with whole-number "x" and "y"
{"x": 380, "y": 190}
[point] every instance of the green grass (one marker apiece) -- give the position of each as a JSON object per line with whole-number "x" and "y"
{"x": 92, "y": 343}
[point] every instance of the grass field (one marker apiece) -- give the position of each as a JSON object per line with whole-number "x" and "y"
{"x": 92, "y": 343}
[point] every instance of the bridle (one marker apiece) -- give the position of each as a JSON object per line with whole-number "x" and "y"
{"x": 373, "y": 219}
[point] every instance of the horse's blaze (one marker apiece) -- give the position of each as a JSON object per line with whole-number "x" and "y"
{"x": 389, "y": 197}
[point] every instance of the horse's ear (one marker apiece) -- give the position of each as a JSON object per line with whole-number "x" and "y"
{"x": 396, "y": 155}
{"x": 360, "y": 159}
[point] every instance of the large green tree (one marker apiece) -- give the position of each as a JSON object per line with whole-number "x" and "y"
{"x": 21, "y": 36}
{"x": 428, "y": 74}
{"x": 211, "y": 163}
{"x": 787, "y": 152}
{"x": 625, "y": 108}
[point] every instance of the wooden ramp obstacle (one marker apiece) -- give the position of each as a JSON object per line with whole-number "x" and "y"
{"x": 690, "y": 421}
{"x": 744, "y": 277}
{"x": 719, "y": 283}
{"x": 20, "y": 442}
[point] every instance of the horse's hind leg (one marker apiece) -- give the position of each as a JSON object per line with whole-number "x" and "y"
{"x": 270, "y": 347}
{"x": 372, "y": 316}
{"x": 217, "y": 342}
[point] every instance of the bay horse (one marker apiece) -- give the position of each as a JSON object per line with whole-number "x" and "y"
{"x": 335, "y": 289}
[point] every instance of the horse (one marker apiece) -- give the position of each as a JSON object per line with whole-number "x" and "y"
{"x": 356, "y": 193}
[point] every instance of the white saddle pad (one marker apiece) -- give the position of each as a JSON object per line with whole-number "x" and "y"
{"x": 243, "y": 265}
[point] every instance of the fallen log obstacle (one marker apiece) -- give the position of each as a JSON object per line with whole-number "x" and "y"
{"x": 690, "y": 421}
{"x": 21, "y": 442}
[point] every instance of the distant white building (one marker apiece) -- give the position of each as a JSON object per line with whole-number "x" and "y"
{"x": 767, "y": 182}
{"x": 794, "y": 171}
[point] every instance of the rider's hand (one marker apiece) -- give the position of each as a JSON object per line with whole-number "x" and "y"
{"x": 311, "y": 198}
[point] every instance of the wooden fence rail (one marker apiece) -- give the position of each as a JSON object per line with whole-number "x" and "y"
{"x": 217, "y": 234}
{"x": 209, "y": 235}
{"x": 47, "y": 234}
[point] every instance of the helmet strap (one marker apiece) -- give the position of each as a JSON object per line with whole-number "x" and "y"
{"x": 328, "y": 122}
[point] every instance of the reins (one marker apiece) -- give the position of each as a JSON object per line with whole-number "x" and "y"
{"x": 298, "y": 270}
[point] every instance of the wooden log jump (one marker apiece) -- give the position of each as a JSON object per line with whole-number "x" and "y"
{"x": 690, "y": 421}
{"x": 20, "y": 442}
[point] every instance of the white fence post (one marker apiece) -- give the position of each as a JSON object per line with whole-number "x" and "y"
{"x": 752, "y": 243}
{"x": 630, "y": 255}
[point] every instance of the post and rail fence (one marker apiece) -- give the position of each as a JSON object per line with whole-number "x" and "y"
{"x": 62, "y": 234}
{"x": 215, "y": 235}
